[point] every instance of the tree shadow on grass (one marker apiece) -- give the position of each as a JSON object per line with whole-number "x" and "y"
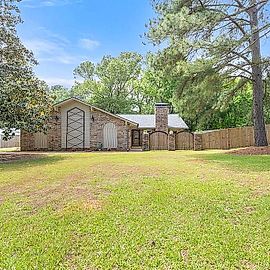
{"x": 259, "y": 163}
{"x": 37, "y": 160}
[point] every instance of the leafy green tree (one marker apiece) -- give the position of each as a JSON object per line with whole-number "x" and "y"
{"x": 203, "y": 96}
{"x": 59, "y": 93}
{"x": 85, "y": 70}
{"x": 224, "y": 34}
{"x": 153, "y": 86}
{"x": 236, "y": 114}
{"x": 111, "y": 84}
{"x": 24, "y": 100}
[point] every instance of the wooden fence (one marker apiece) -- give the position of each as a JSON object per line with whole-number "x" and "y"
{"x": 14, "y": 142}
{"x": 230, "y": 138}
{"x": 217, "y": 139}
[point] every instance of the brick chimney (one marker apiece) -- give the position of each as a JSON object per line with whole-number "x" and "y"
{"x": 161, "y": 116}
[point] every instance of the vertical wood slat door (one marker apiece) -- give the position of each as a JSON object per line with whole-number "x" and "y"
{"x": 109, "y": 136}
{"x": 158, "y": 141}
{"x": 184, "y": 141}
{"x": 41, "y": 140}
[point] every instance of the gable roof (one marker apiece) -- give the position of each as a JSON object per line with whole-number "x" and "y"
{"x": 94, "y": 107}
{"x": 140, "y": 120}
{"x": 149, "y": 120}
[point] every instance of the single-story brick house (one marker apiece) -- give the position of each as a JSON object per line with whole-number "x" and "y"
{"x": 76, "y": 125}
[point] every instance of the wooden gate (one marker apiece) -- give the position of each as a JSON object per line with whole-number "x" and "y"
{"x": 159, "y": 140}
{"x": 184, "y": 141}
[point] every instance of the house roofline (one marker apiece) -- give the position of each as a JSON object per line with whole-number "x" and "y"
{"x": 94, "y": 107}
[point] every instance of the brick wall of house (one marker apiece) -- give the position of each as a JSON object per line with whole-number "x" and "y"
{"x": 27, "y": 141}
{"x": 53, "y": 136}
{"x": 98, "y": 120}
{"x": 54, "y": 132}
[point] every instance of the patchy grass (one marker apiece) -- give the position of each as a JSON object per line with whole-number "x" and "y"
{"x": 154, "y": 210}
{"x": 252, "y": 163}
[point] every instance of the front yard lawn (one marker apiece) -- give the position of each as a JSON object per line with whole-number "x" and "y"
{"x": 149, "y": 210}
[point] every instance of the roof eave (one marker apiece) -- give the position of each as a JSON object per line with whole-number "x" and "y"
{"x": 179, "y": 127}
{"x": 94, "y": 107}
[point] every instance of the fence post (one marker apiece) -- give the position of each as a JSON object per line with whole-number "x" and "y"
{"x": 198, "y": 140}
{"x": 228, "y": 138}
{"x": 145, "y": 141}
{"x": 171, "y": 141}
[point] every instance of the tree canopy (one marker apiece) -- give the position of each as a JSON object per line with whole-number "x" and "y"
{"x": 207, "y": 39}
{"x": 25, "y": 103}
{"x": 59, "y": 93}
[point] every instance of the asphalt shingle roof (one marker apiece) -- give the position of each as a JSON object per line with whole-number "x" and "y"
{"x": 148, "y": 121}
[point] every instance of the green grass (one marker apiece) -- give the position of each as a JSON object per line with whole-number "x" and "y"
{"x": 152, "y": 210}
{"x": 11, "y": 149}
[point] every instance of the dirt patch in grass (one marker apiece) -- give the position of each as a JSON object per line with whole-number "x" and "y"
{"x": 13, "y": 156}
{"x": 74, "y": 188}
{"x": 84, "y": 187}
{"x": 251, "y": 151}
{"x": 249, "y": 265}
{"x": 119, "y": 172}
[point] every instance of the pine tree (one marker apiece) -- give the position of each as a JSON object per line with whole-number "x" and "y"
{"x": 225, "y": 33}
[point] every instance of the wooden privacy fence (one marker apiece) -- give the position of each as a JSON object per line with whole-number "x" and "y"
{"x": 226, "y": 138}
{"x": 14, "y": 142}
{"x": 217, "y": 139}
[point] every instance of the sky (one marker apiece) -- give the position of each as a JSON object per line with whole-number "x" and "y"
{"x": 64, "y": 33}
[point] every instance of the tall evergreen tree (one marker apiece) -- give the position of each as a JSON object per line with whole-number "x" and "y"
{"x": 225, "y": 33}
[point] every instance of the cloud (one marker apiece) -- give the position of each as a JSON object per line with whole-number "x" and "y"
{"x": 56, "y": 54}
{"x": 48, "y": 3}
{"x": 48, "y": 46}
{"x": 88, "y": 44}
{"x": 50, "y": 51}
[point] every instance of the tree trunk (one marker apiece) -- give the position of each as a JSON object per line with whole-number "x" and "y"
{"x": 258, "y": 93}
